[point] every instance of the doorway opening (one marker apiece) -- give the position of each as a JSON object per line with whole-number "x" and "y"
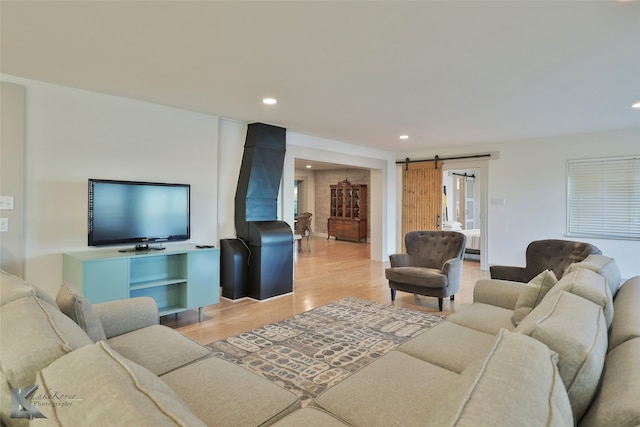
{"x": 465, "y": 208}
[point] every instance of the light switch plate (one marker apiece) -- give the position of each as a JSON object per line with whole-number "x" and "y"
{"x": 6, "y": 203}
{"x": 4, "y": 225}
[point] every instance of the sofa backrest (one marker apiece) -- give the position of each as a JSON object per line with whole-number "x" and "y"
{"x": 604, "y": 266}
{"x": 432, "y": 249}
{"x": 575, "y": 328}
{"x": 616, "y": 403}
{"x": 587, "y": 284}
{"x": 626, "y": 322}
{"x": 34, "y": 333}
{"x": 13, "y": 288}
{"x": 110, "y": 387}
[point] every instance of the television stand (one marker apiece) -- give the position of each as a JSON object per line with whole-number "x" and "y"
{"x": 178, "y": 278}
{"x": 142, "y": 248}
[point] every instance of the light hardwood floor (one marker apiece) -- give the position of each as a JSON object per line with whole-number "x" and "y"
{"x": 333, "y": 270}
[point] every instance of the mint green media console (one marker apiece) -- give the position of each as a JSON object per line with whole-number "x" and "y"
{"x": 178, "y": 278}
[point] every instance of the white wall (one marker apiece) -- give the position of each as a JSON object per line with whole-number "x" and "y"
{"x": 12, "y": 176}
{"x": 531, "y": 176}
{"x": 308, "y": 204}
{"x": 231, "y": 148}
{"x": 72, "y": 135}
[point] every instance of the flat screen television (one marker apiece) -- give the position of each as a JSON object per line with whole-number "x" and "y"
{"x": 140, "y": 213}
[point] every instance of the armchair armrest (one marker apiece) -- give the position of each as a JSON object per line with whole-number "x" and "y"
{"x": 122, "y": 316}
{"x": 452, "y": 268}
{"x": 451, "y": 265}
{"x": 505, "y": 272}
{"x": 501, "y": 293}
{"x": 399, "y": 260}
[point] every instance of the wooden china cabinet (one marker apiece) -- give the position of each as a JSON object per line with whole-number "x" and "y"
{"x": 348, "y": 220}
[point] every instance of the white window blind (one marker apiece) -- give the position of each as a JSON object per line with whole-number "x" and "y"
{"x": 604, "y": 198}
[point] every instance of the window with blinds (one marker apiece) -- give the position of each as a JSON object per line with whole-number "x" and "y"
{"x": 603, "y": 198}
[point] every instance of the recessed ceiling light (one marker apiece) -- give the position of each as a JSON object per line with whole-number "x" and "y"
{"x": 269, "y": 101}
{"x": 636, "y": 105}
{"x": 308, "y": 166}
{"x": 404, "y": 136}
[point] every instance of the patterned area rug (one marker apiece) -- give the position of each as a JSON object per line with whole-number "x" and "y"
{"x": 311, "y": 351}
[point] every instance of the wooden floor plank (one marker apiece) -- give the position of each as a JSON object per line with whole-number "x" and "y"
{"x": 333, "y": 270}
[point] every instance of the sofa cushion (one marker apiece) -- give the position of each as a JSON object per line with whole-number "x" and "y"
{"x": 222, "y": 393}
{"x": 575, "y": 328}
{"x": 105, "y": 388}
{"x": 13, "y": 288}
{"x": 449, "y": 346}
{"x": 396, "y": 389}
{"x": 617, "y": 401}
{"x": 484, "y": 318}
{"x": 587, "y": 284}
{"x": 310, "y": 417}
{"x": 158, "y": 348}
{"x": 34, "y": 334}
{"x": 626, "y": 322}
{"x": 80, "y": 310}
{"x": 516, "y": 383}
{"x": 604, "y": 266}
{"x": 531, "y": 296}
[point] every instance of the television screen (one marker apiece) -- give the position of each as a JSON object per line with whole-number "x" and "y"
{"x": 122, "y": 212}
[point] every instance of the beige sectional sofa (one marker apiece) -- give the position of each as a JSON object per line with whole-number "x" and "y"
{"x": 547, "y": 353}
{"x": 113, "y": 364}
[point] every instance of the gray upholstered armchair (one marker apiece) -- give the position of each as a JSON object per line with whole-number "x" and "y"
{"x": 432, "y": 265}
{"x": 541, "y": 255}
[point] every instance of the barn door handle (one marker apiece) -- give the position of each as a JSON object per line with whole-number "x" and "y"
{"x": 437, "y": 221}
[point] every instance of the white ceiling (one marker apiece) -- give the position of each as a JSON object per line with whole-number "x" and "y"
{"x": 443, "y": 72}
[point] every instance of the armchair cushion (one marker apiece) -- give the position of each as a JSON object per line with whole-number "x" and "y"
{"x": 80, "y": 310}
{"x": 417, "y": 276}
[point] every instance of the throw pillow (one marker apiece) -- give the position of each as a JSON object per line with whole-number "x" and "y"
{"x": 530, "y": 297}
{"x": 80, "y": 310}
